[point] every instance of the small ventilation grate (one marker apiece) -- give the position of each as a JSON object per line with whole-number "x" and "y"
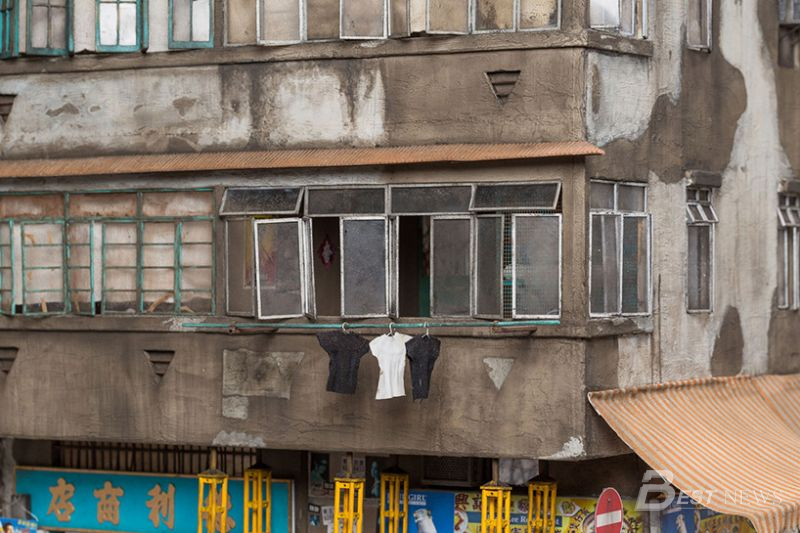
{"x": 503, "y": 82}
{"x": 6, "y": 103}
{"x": 159, "y": 361}
{"x": 7, "y": 357}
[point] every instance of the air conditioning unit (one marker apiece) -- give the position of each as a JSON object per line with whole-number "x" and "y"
{"x": 452, "y": 471}
{"x": 790, "y": 12}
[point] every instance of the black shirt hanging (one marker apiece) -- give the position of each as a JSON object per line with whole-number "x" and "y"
{"x": 345, "y": 351}
{"x": 422, "y": 351}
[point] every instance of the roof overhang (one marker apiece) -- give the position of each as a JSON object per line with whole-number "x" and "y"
{"x": 734, "y": 442}
{"x": 292, "y": 159}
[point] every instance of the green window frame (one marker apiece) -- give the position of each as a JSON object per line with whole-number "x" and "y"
{"x": 71, "y": 265}
{"x": 191, "y": 24}
{"x": 9, "y": 29}
{"x": 121, "y": 25}
{"x": 52, "y": 21}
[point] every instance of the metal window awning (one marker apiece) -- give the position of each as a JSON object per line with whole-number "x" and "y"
{"x": 287, "y": 159}
{"x": 733, "y": 441}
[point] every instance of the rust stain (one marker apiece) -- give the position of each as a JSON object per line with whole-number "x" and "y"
{"x": 282, "y": 159}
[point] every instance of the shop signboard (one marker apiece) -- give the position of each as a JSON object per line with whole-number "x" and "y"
{"x": 684, "y": 515}
{"x": 574, "y": 515}
{"x": 84, "y": 500}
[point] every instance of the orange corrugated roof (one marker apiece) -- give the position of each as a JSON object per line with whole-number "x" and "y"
{"x": 306, "y": 158}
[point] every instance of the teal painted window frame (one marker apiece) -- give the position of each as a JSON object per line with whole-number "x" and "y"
{"x": 182, "y": 45}
{"x": 69, "y": 45}
{"x": 142, "y": 35}
{"x": 11, "y": 272}
{"x": 9, "y": 28}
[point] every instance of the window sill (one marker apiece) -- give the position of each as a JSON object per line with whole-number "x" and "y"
{"x": 699, "y": 48}
{"x": 338, "y": 49}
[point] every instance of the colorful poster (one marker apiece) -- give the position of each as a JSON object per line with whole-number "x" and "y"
{"x": 430, "y": 511}
{"x": 17, "y": 525}
{"x": 141, "y": 503}
{"x": 684, "y": 515}
{"x": 574, "y": 515}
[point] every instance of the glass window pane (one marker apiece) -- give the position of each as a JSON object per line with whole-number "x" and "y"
{"x": 346, "y": 201}
{"x": 448, "y": 16}
{"x": 694, "y": 213}
{"x": 183, "y": 203}
{"x": 39, "y": 25}
{"x": 239, "y": 266}
{"x": 604, "y": 13}
{"x": 58, "y": 28}
{"x": 261, "y": 201}
{"x": 451, "y": 267}
{"x": 630, "y": 198}
{"x": 605, "y": 264}
{"x": 696, "y": 34}
{"x": 108, "y": 24}
{"x": 601, "y": 195}
{"x": 322, "y": 19}
{"x": 536, "y": 14}
{"x": 627, "y": 24}
{"x": 430, "y": 200}
{"x": 635, "y": 265}
{"x": 399, "y": 18}
{"x": 783, "y": 267}
{"x": 279, "y": 269}
{"x": 280, "y": 20}
{"x": 536, "y": 267}
{"x": 240, "y": 21}
{"x": 201, "y": 21}
{"x": 180, "y": 20}
{"x": 489, "y": 266}
{"x": 362, "y": 18}
{"x": 127, "y": 24}
{"x": 524, "y": 195}
{"x": 494, "y": 15}
{"x": 364, "y": 267}
{"x": 699, "y": 266}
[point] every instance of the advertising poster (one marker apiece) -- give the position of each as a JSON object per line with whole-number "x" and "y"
{"x": 686, "y": 516}
{"x": 430, "y": 511}
{"x": 574, "y": 515}
{"x": 17, "y": 525}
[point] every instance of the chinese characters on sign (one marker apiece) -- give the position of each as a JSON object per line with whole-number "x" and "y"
{"x": 162, "y": 505}
{"x": 60, "y": 504}
{"x": 108, "y": 503}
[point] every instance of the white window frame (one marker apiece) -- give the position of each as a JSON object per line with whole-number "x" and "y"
{"x": 473, "y": 12}
{"x": 301, "y": 30}
{"x": 559, "y": 216}
{"x": 386, "y": 24}
{"x": 708, "y": 219}
{"x": 432, "y": 289}
{"x": 475, "y": 270}
{"x": 619, "y": 225}
{"x": 789, "y": 225}
{"x": 302, "y": 256}
{"x": 387, "y": 266}
{"x": 638, "y": 30}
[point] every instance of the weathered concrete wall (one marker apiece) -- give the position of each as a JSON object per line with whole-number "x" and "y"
{"x": 102, "y": 387}
{"x": 719, "y": 111}
{"x": 396, "y": 100}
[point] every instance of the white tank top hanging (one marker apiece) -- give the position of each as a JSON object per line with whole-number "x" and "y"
{"x": 390, "y": 351}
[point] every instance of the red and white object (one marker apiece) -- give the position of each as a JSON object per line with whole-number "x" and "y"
{"x": 608, "y": 514}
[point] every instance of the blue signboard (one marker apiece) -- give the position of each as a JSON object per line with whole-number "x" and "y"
{"x": 134, "y": 503}
{"x": 430, "y": 511}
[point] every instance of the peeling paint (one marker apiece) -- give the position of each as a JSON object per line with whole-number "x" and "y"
{"x": 66, "y": 108}
{"x": 238, "y": 438}
{"x": 572, "y": 449}
{"x": 235, "y": 407}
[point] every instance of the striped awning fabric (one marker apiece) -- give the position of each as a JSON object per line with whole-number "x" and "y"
{"x": 732, "y": 444}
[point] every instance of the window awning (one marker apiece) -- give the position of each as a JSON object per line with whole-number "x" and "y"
{"x": 733, "y": 444}
{"x": 286, "y": 159}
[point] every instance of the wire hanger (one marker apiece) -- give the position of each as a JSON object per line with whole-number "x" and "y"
{"x": 427, "y": 330}
{"x": 344, "y": 328}
{"x": 391, "y": 329}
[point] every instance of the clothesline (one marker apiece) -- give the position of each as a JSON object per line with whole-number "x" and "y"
{"x": 349, "y": 326}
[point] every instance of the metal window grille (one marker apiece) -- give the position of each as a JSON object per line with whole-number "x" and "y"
{"x": 789, "y": 267}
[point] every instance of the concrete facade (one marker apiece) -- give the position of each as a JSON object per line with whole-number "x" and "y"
{"x": 659, "y": 110}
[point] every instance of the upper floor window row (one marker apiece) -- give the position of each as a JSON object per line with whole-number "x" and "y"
{"x": 148, "y": 252}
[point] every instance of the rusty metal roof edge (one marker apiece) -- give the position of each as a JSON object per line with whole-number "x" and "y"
{"x": 295, "y": 158}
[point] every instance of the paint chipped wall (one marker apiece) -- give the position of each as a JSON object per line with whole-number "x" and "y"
{"x": 720, "y": 111}
{"x": 399, "y": 100}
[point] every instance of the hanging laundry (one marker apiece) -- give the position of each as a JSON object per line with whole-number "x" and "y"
{"x": 345, "y": 351}
{"x": 390, "y": 351}
{"x": 422, "y": 350}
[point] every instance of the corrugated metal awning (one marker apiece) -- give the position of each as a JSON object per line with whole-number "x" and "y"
{"x": 730, "y": 443}
{"x": 286, "y": 159}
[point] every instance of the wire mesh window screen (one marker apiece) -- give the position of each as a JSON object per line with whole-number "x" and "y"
{"x": 489, "y": 266}
{"x": 452, "y": 259}
{"x": 605, "y": 263}
{"x": 635, "y": 264}
{"x": 274, "y": 201}
{"x": 43, "y": 286}
{"x": 279, "y": 268}
{"x": 364, "y": 267}
{"x": 537, "y": 264}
